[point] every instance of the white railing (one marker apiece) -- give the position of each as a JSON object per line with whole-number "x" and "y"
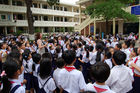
{"x": 22, "y": 9}
{"x": 23, "y": 23}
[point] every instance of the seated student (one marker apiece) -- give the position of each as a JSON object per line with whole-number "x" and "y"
{"x": 10, "y": 83}
{"x": 46, "y": 82}
{"x": 100, "y": 73}
{"x": 70, "y": 79}
{"x": 60, "y": 64}
{"x": 121, "y": 77}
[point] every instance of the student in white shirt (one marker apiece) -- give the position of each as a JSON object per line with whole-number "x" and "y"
{"x": 100, "y": 73}
{"x": 70, "y": 79}
{"x": 13, "y": 68}
{"x": 126, "y": 49}
{"x": 114, "y": 42}
{"x": 28, "y": 63}
{"x": 107, "y": 60}
{"x": 121, "y": 77}
{"x": 46, "y": 82}
{"x": 36, "y": 59}
{"x": 60, "y": 65}
{"x": 135, "y": 65}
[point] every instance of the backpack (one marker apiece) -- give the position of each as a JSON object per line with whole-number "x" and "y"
{"x": 41, "y": 90}
{"x": 14, "y": 88}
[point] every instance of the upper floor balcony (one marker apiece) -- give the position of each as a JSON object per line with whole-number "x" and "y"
{"x": 23, "y": 23}
{"x": 39, "y": 11}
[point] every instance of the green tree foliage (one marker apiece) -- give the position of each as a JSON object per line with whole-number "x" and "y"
{"x": 53, "y": 2}
{"x": 109, "y": 9}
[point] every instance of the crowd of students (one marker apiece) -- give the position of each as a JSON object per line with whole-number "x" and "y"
{"x": 69, "y": 64}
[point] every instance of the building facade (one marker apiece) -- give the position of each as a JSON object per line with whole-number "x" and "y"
{"x": 98, "y": 26}
{"x": 57, "y": 18}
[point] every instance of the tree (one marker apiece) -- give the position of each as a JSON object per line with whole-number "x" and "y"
{"x": 109, "y": 9}
{"x": 30, "y": 16}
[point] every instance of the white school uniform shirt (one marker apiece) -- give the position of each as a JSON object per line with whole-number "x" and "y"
{"x": 94, "y": 57}
{"x": 35, "y": 73}
{"x": 84, "y": 58}
{"x": 55, "y": 76}
{"x": 72, "y": 81}
{"x": 120, "y": 79}
{"x": 21, "y": 89}
{"x": 91, "y": 58}
{"x": 92, "y": 88}
{"x": 78, "y": 52}
{"x": 108, "y": 45}
{"x": 29, "y": 64}
{"x": 109, "y": 62}
{"x": 113, "y": 44}
{"x": 60, "y": 55}
{"x": 137, "y": 63}
{"x": 21, "y": 78}
{"x": 49, "y": 86}
{"x": 127, "y": 52}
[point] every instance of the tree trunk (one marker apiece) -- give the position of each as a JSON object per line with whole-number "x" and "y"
{"x": 107, "y": 32}
{"x": 29, "y": 16}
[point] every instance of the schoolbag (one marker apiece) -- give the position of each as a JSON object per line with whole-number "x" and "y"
{"x": 14, "y": 88}
{"x": 41, "y": 90}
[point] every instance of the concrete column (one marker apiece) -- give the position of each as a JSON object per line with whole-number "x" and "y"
{"x": 10, "y": 2}
{"x": 80, "y": 16}
{"x": 41, "y": 18}
{"x": 54, "y": 29}
{"x": 42, "y": 30}
{"x": 11, "y": 17}
{"x": 15, "y": 29}
{"x": 73, "y": 19}
{"x": 63, "y": 8}
{"x": 72, "y": 9}
{"x": 94, "y": 27}
{"x": 53, "y": 18}
{"x": 5, "y": 30}
{"x": 114, "y": 26}
{"x": 63, "y": 19}
{"x": 85, "y": 31}
{"x": 139, "y": 28}
{"x": 41, "y": 5}
{"x": 89, "y": 29}
{"x": 120, "y": 26}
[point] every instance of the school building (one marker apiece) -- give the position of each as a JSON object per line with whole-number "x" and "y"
{"x": 57, "y": 18}
{"x": 98, "y": 26}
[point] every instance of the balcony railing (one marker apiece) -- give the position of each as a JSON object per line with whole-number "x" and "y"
{"x": 22, "y": 9}
{"x": 24, "y": 23}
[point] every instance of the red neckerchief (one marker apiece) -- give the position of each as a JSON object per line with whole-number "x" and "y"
{"x": 69, "y": 68}
{"x": 12, "y": 82}
{"x": 135, "y": 63}
{"x": 99, "y": 90}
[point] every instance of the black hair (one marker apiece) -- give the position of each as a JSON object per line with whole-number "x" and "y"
{"x": 79, "y": 45}
{"x": 25, "y": 55}
{"x": 87, "y": 51}
{"x": 14, "y": 54}
{"x": 60, "y": 62}
{"x": 119, "y": 46}
{"x": 69, "y": 56}
{"x": 47, "y": 55}
{"x": 45, "y": 68}
{"x": 99, "y": 49}
{"x": 127, "y": 43}
{"x": 91, "y": 48}
{"x": 108, "y": 54}
{"x": 10, "y": 67}
{"x": 36, "y": 59}
{"x": 100, "y": 72}
{"x": 19, "y": 44}
{"x": 136, "y": 51}
{"x": 119, "y": 57}
{"x": 132, "y": 43}
{"x": 74, "y": 47}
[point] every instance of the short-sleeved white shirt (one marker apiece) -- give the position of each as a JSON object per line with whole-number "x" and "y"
{"x": 49, "y": 86}
{"x": 91, "y": 88}
{"x": 72, "y": 81}
{"x": 120, "y": 79}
